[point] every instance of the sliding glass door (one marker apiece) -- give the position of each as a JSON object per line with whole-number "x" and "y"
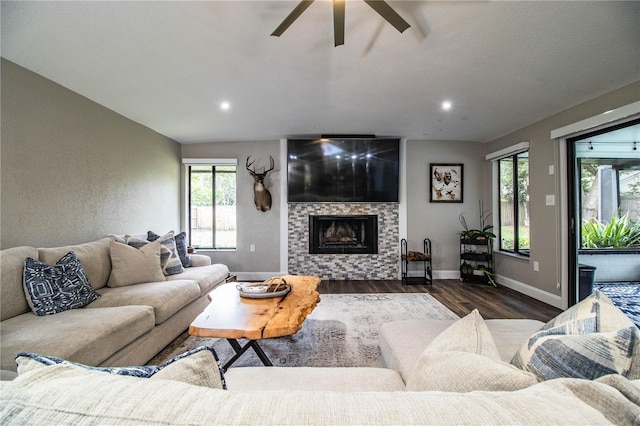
{"x": 604, "y": 206}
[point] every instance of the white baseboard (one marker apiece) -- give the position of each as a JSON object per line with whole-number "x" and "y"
{"x": 543, "y": 296}
{"x": 446, "y": 275}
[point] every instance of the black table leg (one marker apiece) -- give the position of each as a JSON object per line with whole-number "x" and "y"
{"x": 242, "y": 349}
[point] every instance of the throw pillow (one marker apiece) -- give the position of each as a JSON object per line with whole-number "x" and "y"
{"x": 169, "y": 260}
{"x": 591, "y": 339}
{"x": 181, "y": 246}
{"x": 130, "y": 265}
{"x": 198, "y": 366}
{"x": 50, "y": 289}
{"x": 469, "y": 334}
{"x": 466, "y": 372}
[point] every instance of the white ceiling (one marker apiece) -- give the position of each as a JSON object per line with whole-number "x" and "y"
{"x": 168, "y": 65}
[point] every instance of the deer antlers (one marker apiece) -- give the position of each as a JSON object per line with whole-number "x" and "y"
{"x": 264, "y": 172}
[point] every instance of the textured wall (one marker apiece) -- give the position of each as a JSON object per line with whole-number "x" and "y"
{"x": 381, "y": 266}
{"x": 440, "y": 221}
{"x": 546, "y": 228}
{"x": 262, "y": 229}
{"x": 73, "y": 170}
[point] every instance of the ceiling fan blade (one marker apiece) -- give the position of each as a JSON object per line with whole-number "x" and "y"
{"x": 295, "y": 14}
{"x": 388, "y": 13}
{"x": 338, "y": 22}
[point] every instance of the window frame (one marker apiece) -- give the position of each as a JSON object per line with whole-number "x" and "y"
{"x": 212, "y": 163}
{"x": 511, "y": 152}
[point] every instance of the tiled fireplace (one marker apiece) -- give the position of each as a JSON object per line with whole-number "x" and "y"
{"x": 336, "y": 240}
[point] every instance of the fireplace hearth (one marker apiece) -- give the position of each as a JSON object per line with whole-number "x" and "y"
{"x": 333, "y": 234}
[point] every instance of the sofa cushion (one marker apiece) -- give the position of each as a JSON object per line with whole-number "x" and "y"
{"x": 88, "y": 336}
{"x": 50, "y": 289}
{"x": 469, "y": 334}
{"x": 169, "y": 260}
{"x": 96, "y": 398}
{"x": 199, "y": 366}
{"x": 166, "y": 297}
{"x": 181, "y": 246}
{"x": 402, "y": 342}
{"x": 133, "y": 266}
{"x": 466, "y": 372}
{"x": 93, "y": 255}
{"x": 207, "y": 277}
{"x": 12, "y": 300}
{"x": 334, "y": 379}
{"x": 591, "y": 339}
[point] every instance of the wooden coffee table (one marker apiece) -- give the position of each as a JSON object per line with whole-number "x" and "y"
{"x": 233, "y": 317}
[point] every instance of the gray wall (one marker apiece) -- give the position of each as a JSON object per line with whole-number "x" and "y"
{"x": 545, "y": 220}
{"x": 254, "y": 227}
{"x": 73, "y": 170}
{"x": 440, "y": 221}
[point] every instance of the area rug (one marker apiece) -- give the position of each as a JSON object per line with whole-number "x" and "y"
{"x": 342, "y": 331}
{"x": 625, "y": 295}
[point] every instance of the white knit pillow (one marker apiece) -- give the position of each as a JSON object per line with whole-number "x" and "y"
{"x": 466, "y": 372}
{"x": 469, "y": 334}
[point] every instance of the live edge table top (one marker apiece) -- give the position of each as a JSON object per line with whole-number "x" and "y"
{"x": 233, "y": 317}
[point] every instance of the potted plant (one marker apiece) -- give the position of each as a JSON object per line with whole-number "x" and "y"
{"x": 481, "y": 234}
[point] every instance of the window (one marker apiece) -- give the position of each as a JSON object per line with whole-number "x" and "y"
{"x": 212, "y": 205}
{"x": 513, "y": 213}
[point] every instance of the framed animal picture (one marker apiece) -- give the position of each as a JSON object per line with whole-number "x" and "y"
{"x": 446, "y": 183}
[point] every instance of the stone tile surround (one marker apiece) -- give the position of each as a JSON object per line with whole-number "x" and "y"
{"x": 381, "y": 266}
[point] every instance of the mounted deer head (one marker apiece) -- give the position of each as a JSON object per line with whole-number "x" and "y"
{"x": 261, "y": 196}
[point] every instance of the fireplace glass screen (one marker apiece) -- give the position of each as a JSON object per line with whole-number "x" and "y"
{"x": 343, "y": 234}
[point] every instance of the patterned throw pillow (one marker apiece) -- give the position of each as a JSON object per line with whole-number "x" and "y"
{"x": 50, "y": 289}
{"x": 169, "y": 260}
{"x": 181, "y": 246}
{"x": 589, "y": 340}
{"x": 199, "y": 366}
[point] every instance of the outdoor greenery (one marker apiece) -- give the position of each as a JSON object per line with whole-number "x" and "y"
{"x": 619, "y": 232}
{"x": 202, "y": 183}
{"x": 514, "y": 202}
{"x": 506, "y": 236}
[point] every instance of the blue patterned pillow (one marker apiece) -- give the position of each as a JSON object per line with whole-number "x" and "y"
{"x": 50, "y": 289}
{"x": 181, "y": 246}
{"x": 589, "y": 340}
{"x": 169, "y": 260}
{"x": 199, "y": 366}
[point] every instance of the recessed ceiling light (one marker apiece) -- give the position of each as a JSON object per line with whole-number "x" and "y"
{"x": 225, "y": 106}
{"x": 446, "y": 105}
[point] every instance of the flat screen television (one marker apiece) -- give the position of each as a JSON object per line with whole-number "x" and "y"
{"x": 343, "y": 170}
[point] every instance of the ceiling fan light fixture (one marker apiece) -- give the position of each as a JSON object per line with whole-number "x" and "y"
{"x": 380, "y": 6}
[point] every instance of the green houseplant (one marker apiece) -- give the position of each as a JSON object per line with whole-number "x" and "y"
{"x": 619, "y": 232}
{"x": 480, "y": 235}
{"x": 484, "y": 232}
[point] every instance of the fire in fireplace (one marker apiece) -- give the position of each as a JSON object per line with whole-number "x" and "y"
{"x": 343, "y": 234}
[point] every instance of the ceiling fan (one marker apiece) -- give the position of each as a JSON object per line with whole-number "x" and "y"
{"x": 379, "y": 6}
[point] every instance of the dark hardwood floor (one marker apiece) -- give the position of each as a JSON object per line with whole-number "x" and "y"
{"x": 459, "y": 297}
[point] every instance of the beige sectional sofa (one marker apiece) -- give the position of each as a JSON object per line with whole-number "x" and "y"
{"x": 126, "y": 326}
{"x": 315, "y": 396}
{"x": 441, "y": 372}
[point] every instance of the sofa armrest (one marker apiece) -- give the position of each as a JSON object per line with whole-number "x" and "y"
{"x": 200, "y": 260}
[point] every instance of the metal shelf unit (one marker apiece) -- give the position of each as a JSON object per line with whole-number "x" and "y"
{"x": 423, "y": 272}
